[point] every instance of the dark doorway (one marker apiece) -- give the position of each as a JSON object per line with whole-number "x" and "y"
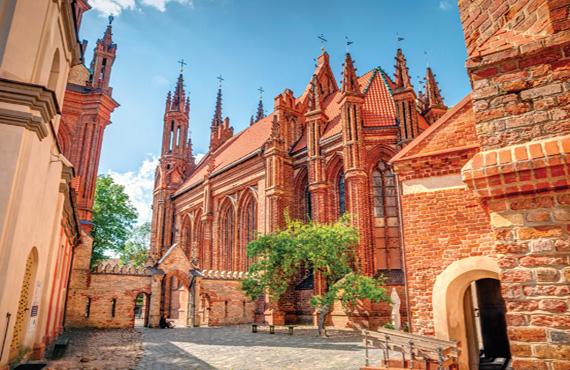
{"x": 489, "y": 312}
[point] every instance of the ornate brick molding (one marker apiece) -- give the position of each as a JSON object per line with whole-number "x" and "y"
{"x": 533, "y": 166}
{"x": 36, "y": 98}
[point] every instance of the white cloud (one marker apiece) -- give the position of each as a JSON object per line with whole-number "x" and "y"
{"x": 115, "y": 7}
{"x": 444, "y": 5}
{"x": 198, "y": 157}
{"x": 139, "y": 185}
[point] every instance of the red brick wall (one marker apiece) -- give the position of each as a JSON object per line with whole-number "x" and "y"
{"x": 440, "y": 227}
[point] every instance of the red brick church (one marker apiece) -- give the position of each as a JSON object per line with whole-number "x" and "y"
{"x": 317, "y": 155}
{"x": 466, "y": 211}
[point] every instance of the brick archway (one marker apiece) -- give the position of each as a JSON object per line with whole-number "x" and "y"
{"x": 448, "y": 299}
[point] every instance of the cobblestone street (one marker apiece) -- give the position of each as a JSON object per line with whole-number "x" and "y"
{"x": 233, "y": 347}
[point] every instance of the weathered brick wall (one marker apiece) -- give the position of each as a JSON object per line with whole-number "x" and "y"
{"x": 519, "y": 64}
{"x": 102, "y": 290}
{"x": 228, "y": 305}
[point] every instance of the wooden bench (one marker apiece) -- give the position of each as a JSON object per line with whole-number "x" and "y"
{"x": 254, "y": 328}
{"x": 417, "y": 351}
{"x": 59, "y": 347}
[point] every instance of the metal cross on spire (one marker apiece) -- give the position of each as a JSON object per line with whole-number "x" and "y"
{"x": 348, "y": 43}
{"x": 182, "y": 64}
{"x": 111, "y": 18}
{"x": 427, "y": 58}
{"x": 220, "y": 79}
{"x": 261, "y": 91}
{"x": 323, "y": 41}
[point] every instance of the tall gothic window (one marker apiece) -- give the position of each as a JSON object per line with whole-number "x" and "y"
{"x": 387, "y": 252}
{"x": 341, "y": 194}
{"x": 384, "y": 187}
{"x": 227, "y": 238}
{"x": 249, "y": 228}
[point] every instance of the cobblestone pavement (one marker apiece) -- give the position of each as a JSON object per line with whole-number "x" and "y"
{"x": 100, "y": 349}
{"x": 237, "y": 347}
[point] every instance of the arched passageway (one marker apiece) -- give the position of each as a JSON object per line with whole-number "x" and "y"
{"x": 142, "y": 310}
{"x": 468, "y": 307}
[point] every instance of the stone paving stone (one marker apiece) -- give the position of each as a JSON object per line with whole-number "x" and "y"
{"x": 237, "y": 348}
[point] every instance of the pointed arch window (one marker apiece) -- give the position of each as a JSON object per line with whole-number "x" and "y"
{"x": 249, "y": 227}
{"x": 227, "y": 238}
{"x": 384, "y": 188}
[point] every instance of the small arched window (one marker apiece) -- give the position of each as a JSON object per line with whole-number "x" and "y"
{"x": 341, "y": 194}
{"x": 308, "y": 204}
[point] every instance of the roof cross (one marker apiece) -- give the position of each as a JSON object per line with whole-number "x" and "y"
{"x": 220, "y": 79}
{"x": 182, "y": 64}
{"x": 261, "y": 91}
{"x": 323, "y": 41}
{"x": 111, "y": 18}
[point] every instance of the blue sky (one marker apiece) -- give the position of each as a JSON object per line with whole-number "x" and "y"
{"x": 252, "y": 43}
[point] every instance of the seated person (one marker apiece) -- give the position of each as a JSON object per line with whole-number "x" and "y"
{"x": 164, "y": 323}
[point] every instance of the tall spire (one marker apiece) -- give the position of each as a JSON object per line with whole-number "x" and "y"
{"x": 179, "y": 97}
{"x": 217, "y": 120}
{"x": 402, "y": 74}
{"x": 260, "y": 111}
{"x": 349, "y": 79}
{"x": 433, "y": 93}
{"x": 103, "y": 58}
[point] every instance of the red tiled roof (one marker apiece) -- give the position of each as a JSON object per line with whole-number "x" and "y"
{"x": 239, "y": 146}
{"x": 378, "y": 108}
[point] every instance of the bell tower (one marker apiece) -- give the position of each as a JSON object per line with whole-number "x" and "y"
{"x": 176, "y": 163}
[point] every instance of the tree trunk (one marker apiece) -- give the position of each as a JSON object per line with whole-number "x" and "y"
{"x": 323, "y": 312}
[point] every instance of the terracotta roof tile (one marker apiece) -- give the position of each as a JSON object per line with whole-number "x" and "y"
{"x": 239, "y": 146}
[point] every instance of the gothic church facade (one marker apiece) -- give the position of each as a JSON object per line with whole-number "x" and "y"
{"x": 316, "y": 156}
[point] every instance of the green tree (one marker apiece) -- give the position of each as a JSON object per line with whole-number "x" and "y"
{"x": 329, "y": 248}
{"x": 113, "y": 218}
{"x": 136, "y": 247}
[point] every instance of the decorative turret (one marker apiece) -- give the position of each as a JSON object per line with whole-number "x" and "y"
{"x": 220, "y": 130}
{"x": 433, "y": 101}
{"x": 405, "y": 100}
{"x": 350, "y": 83}
{"x": 102, "y": 62}
{"x": 402, "y": 75}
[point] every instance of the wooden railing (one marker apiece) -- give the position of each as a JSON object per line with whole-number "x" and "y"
{"x": 416, "y": 351}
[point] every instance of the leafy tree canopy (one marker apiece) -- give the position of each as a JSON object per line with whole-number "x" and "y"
{"x": 328, "y": 248}
{"x": 113, "y": 218}
{"x": 136, "y": 247}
